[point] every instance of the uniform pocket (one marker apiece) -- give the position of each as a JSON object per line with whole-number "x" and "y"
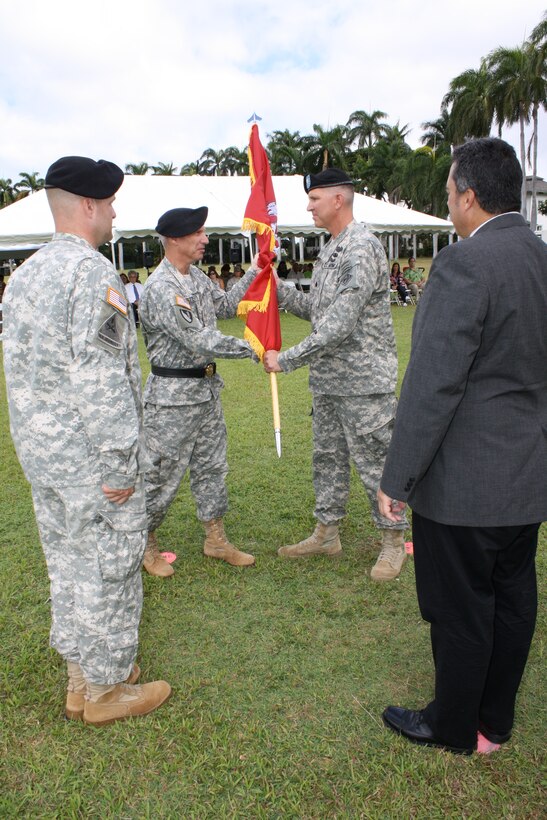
{"x": 121, "y": 542}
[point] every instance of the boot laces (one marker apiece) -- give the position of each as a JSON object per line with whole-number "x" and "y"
{"x": 391, "y": 555}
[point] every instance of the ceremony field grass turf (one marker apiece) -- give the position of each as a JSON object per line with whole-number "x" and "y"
{"x": 280, "y": 673}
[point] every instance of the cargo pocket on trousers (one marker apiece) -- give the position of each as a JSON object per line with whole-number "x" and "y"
{"x": 121, "y": 542}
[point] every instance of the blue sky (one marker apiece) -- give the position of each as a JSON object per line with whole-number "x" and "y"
{"x": 161, "y": 80}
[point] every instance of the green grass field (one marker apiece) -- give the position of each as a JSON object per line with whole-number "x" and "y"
{"x": 279, "y": 673}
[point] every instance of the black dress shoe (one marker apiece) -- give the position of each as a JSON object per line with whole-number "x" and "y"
{"x": 412, "y": 725}
{"x": 493, "y": 737}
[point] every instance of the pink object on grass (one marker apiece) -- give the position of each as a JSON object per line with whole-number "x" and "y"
{"x": 169, "y": 556}
{"x": 409, "y": 548}
{"x": 485, "y": 746}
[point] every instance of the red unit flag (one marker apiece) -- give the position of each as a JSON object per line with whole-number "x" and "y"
{"x": 259, "y": 304}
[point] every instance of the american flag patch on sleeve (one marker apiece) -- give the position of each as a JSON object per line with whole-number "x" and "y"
{"x": 180, "y": 302}
{"x": 116, "y": 300}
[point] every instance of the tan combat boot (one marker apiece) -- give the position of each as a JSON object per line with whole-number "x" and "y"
{"x": 106, "y": 704}
{"x": 324, "y": 540}
{"x": 392, "y": 556}
{"x": 75, "y": 695}
{"x": 217, "y": 546}
{"x": 153, "y": 562}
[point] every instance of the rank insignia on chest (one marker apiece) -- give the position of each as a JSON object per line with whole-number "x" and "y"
{"x": 116, "y": 300}
{"x": 185, "y": 309}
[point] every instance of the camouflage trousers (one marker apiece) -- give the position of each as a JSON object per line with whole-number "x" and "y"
{"x": 93, "y": 550}
{"x": 180, "y": 438}
{"x": 350, "y": 428}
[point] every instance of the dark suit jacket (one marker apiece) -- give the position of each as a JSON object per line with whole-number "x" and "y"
{"x": 469, "y": 446}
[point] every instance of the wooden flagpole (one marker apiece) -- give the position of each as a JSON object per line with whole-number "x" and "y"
{"x": 275, "y": 409}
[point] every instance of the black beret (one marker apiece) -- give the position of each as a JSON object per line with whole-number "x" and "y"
{"x": 181, "y": 221}
{"x": 326, "y": 179}
{"x": 85, "y": 177}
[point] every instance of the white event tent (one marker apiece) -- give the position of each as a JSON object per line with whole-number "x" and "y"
{"x": 142, "y": 199}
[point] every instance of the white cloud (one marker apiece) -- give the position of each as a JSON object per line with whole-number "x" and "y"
{"x": 162, "y": 80}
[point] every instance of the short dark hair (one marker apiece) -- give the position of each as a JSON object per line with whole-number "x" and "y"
{"x": 489, "y": 166}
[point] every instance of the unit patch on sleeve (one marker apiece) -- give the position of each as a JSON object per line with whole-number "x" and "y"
{"x": 348, "y": 279}
{"x": 110, "y": 321}
{"x": 109, "y": 334}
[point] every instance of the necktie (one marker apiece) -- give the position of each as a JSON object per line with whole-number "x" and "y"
{"x": 136, "y": 292}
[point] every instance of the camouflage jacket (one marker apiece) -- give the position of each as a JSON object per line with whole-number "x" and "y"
{"x": 72, "y": 372}
{"x": 351, "y": 349}
{"x": 178, "y": 315}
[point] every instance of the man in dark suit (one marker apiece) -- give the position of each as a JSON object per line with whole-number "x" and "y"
{"x": 474, "y": 469}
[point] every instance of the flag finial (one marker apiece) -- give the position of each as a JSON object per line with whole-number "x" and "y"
{"x": 254, "y": 117}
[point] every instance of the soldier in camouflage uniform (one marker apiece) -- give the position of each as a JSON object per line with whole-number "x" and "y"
{"x": 184, "y": 422}
{"x": 74, "y": 397}
{"x": 353, "y": 369}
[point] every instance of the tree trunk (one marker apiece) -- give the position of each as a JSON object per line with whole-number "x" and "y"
{"x": 534, "y": 208}
{"x": 523, "y": 162}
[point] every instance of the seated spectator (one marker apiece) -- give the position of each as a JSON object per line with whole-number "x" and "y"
{"x": 226, "y": 272}
{"x": 282, "y": 269}
{"x": 397, "y": 283}
{"x": 414, "y": 279}
{"x": 238, "y": 273}
{"x": 214, "y": 277}
{"x": 133, "y": 291}
{"x": 123, "y": 277}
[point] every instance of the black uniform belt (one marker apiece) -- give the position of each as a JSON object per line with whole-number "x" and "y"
{"x": 185, "y": 373}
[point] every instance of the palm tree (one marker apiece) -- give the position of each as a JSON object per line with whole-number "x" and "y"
{"x": 469, "y": 104}
{"x": 191, "y": 169}
{"x": 137, "y": 168}
{"x": 6, "y": 192}
{"x": 235, "y": 161}
{"x": 518, "y": 89}
{"x": 285, "y": 151}
{"x": 537, "y": 54}
{"x": 436, "y": 132}
{"x": 383, "y": 171}
{"x": 164, "y": 169}
{"x": 28, "y": 184}
{"x": 396, "y": 133}
{"x": 211, "y": 162}
{"x": 365, "y": 128}
{"x": 510, "y": 92}
{"x": 326, "y": 147}
{"x": 424, "y": 175}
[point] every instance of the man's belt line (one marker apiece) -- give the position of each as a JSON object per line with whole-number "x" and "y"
{"x": 186, "y": 373}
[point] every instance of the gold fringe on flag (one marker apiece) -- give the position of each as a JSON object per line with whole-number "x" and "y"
{"x": 261, "y": 306}
{"x": 260, "y": 228}
{"x": 255, "y": 343}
